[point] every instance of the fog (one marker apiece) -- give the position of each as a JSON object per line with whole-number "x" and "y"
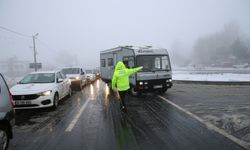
{"x": 73, "y": 32}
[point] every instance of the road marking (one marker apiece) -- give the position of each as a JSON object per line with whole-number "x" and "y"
{"x": 209, "y": 125}
{"x": 74, "y": 121}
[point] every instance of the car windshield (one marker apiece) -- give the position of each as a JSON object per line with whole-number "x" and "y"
{"x": 71, "y": 71}
{"x": 89, "y": 71}
{"x": 153, "y": 62}
{"x": 38, "y": 78}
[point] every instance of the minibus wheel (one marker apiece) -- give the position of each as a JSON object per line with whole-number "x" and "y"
{"x": 162, "y": 91}
{"x": 135, "y": 93}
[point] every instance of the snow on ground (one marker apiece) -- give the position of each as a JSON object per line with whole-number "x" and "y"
{"x": 192, "y": 76}
{"x": 211, "y": 74}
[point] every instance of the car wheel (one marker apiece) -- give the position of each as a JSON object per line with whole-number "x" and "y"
{"x": 134, "y": 93}
{"x": 162, "y": 91}
{"x": 55, "y": 102}
{"x": 70, "y": 92}
{"x": 4, "y": 138}
{"x": 80, "y": 86}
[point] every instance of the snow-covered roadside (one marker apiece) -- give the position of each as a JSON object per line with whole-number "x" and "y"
{"x": 230, "y": 77}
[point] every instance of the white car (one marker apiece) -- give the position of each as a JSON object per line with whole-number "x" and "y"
{"x": 41, "y": 89}
{"x": 76, "y": 76}
{"x": 91, "y": 77}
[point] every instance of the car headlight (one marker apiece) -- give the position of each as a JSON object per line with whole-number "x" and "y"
{"x": 169, "y": 80}
{"x": 77, "y": 78}
{"x": 140, "y": 83}
{"x": 46, "y": 93}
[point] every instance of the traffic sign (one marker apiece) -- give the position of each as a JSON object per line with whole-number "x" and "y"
{"x": 38, "y": 65}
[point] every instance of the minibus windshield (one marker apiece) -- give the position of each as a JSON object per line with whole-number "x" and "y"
{"x": 153, "y": 62}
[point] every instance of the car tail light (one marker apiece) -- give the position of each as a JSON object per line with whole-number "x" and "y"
{"x": 11, "y": 100}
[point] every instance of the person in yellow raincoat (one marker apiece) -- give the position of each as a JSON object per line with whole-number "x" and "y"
{"x": 120, "y": 81}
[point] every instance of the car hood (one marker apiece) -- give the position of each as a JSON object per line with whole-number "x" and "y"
{"x": 31, "y": 88}
{"x": 72, "y": 75}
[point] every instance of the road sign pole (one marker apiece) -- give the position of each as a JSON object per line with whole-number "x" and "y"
{"x": 34, "y": 48}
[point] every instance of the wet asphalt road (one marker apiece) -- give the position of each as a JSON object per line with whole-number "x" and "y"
{"x": 225, "y": 106}
{"x": 150, "y": 123}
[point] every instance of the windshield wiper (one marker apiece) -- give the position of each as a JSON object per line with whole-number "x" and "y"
{"x": 22, "y": 83}
{"x": 38, "y": 82}
{"x": 154, "y": 70}
{"x": 146, "y": 69}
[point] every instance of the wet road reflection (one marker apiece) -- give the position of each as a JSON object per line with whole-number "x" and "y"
{"x": 98, "y": 84}
{"x": 106, "y": 94}
{"x": 91, "y": 91}
{"x": 78, "y": 103}
{"x": 149, "y": 124}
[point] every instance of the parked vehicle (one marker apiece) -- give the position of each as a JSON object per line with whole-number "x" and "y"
{"x": 41, "y": 89}
{"x": 90, "y": 75}
{"x": 76, "y": 76}
{"x": 7, "y": 114}
{"x": 156, "y": 74}
{"x": 97, "y": 73}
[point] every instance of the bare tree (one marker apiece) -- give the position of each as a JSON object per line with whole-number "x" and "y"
{"x": 217, "y": 47}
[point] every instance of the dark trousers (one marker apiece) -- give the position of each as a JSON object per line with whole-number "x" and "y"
{"x": 122, "y": 96}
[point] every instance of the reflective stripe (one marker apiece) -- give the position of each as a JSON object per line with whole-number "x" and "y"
{"x": 122, "y": 86}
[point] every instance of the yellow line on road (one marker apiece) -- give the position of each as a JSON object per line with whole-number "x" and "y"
{"x": 209, "y": 125}
{"x": 74, "y": 121}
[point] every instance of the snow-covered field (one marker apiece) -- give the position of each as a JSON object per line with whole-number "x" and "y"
{"x": 230, "y": 77}
{"x": 212, "y": 74}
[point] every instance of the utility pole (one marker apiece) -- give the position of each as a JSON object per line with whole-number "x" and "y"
{"x": 34, "y": 48}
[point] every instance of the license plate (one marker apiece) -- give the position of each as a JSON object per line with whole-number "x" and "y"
{"x": 157, "y": 86}
{"x": 22, "y": 102}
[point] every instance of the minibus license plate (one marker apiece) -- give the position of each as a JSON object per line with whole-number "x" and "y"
{"x": 157, "y": 86}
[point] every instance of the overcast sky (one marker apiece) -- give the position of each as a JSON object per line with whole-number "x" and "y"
{"x": 82, "y": 28}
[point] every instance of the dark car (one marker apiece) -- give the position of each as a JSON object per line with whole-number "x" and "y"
{"x": 7, "y": 114}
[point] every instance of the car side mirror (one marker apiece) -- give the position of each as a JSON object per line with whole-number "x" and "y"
{"x": 59, "y": 80}
{"x": 82, "y": 73}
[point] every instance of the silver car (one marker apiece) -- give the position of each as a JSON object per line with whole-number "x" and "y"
{"x": 7, "y": 114}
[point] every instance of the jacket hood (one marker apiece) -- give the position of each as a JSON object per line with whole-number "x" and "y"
{"x": 120, "y": 66}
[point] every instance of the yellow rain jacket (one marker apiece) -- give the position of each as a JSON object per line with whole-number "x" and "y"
{"x": 120, "y": 80}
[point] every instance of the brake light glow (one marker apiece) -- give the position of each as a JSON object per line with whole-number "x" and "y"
{"x": 11, "y": 100}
